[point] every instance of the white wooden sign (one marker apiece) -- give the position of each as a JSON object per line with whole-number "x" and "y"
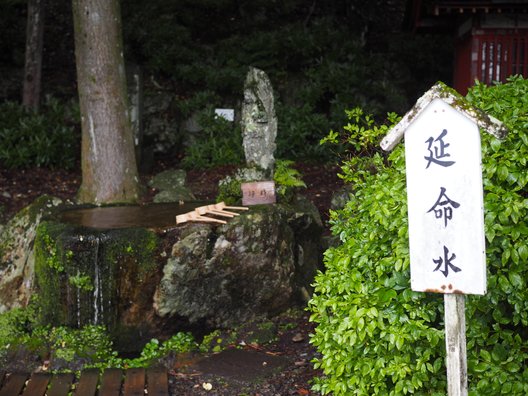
{"x": 228, "y": 114}
{"x": 445, "y": 205}
{"x": 445, "y": 202}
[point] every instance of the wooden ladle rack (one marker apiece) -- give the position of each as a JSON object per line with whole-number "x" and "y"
{"x": 204, "y": 213}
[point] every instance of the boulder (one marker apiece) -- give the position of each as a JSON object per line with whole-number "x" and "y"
{"x": 175, "y": 194}
{"x": 258, "y": 264}
{"x": 171, "y": 186}
{"x": 169, "y": 179}
{"x": 17, "y": 261}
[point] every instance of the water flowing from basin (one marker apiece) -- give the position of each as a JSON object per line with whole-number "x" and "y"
{"x": 101, "y": 266}
{"x": 97, "y": 295}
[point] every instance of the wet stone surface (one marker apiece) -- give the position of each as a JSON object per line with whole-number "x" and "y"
{"x": 152, "y": 216}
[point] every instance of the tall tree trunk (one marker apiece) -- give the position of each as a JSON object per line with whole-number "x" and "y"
{"x": 109, "y": 170}
{"x": 33, "y": 66}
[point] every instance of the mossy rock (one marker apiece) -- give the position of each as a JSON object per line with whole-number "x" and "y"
{"x": 175, "y": 194}
{"x": 16, "y": 253}
{"x": 259, "y": 264}
{"x": 87, "y": 276}
{"x": 172, "y": 186}
{"x": 169, "y": 179}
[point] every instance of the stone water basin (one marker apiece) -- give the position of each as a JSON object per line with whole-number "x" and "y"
{"x": 132, "y": 269}
{"x": 102, "y": 265}
{"x": 153, "y": 216}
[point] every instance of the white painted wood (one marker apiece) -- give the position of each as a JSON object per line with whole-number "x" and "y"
{"x": 445, "y": 202}
{"x": 446, "y": 210}
{"x": 451, "y": 97}
{"x": 455, "y": 329}
{"x": 228, "y": 114}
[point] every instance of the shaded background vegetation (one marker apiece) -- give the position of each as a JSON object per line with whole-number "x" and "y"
{"x": 322, "y": 57}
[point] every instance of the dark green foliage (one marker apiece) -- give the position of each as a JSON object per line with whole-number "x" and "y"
{"x": 12, "y": 22}
{"x": 155, "y": 350}
{"x": 321, "y": 57}
{"x": 50, "y": 138}
{"x": 219, "y": 143}
{"x": 299, "y": 132}
{"x": 70, "y": 349}
{"x": 376, "y": 336}
{"x": 288, "y": 181}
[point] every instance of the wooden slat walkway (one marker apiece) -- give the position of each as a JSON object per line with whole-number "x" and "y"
{"x": 113, "y": 382}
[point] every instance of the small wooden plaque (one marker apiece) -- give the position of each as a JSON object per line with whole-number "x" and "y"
{"x": 258, "y": 193}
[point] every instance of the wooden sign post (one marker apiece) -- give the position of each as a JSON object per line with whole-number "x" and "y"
{"x": 445, "y": 209}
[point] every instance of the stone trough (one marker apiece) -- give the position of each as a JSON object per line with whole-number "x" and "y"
{"x": 135, "y": 271}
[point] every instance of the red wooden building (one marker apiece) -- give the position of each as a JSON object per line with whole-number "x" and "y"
{"x": 491, "y": 36}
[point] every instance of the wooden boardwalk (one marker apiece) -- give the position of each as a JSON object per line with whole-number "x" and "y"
{"x": 113, "y": 382}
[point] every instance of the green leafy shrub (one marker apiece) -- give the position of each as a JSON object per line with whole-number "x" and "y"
{"x": 71, "y": 349}
{"x": 287, "y": 180}
{"x": 82, "y": 282}
{"x": 219, "y": 143}
{"x": 67, "y": 348}
{"x": 14, "y": 325}
{"x": 376, "y": 336}
{"x": 154, "y": 349}
{"x": 47, "y": 139}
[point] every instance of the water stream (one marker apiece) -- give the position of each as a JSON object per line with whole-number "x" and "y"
{"x": 108, "y": 265}
{"x": 78, "y": 293}
{"x": 96, "y": 225}
{"x": 97, "y": 295}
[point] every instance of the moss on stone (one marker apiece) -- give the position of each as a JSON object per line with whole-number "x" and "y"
{"x": 83, "y": 282}
{"x": 23, "y": 220}
{"x": 46, "y": 271}
{"x": 218, "y": 340}
{"x": 87, "y": 276}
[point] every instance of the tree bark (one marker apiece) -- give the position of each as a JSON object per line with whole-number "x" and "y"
{"x": 33, "y": 62}
{"x": 109, "y": 170}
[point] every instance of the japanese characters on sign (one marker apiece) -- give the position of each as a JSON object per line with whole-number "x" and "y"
{"x": 445, "y": 202}
{"x": 258, "y": 193}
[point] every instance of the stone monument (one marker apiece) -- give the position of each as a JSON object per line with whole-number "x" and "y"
{"x": 259, "y": 122}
